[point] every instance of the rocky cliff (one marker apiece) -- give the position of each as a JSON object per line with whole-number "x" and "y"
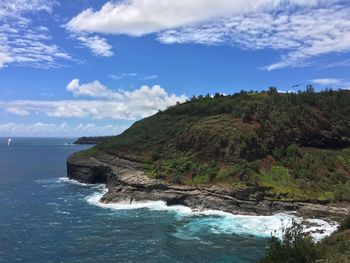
{"x": 126, "y": 182}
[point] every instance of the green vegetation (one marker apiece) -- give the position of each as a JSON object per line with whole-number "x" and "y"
{"x": 89, "y": 152}
{"x": 326, "y": 172}
{"x": 296, "y": 145}
{"x": 345, "y": 225}
{"x": 297, "y": 246}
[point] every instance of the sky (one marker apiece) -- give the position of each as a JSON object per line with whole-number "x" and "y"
{"x": 94, "y": 67}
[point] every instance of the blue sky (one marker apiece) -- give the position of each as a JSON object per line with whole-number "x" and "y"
{"x": 72, "y": 68}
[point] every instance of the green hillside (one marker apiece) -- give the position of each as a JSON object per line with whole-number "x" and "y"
{"x": 295, "y": 145}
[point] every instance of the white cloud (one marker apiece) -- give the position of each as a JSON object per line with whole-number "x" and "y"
{"x": 139, "y": 103}
{"x": 97, "y": 45}
{"x": 287, "y": 91}
{"x": 332, "y": 83}
{"x": 22, "y": 42}
{"x": 299, "y": 35}
{"x": 139, "y": 17}
{"x": 326, "y": 81}
{"x": 17, "y": 111}
{"x": 119, "y": 76}
{"x": 4, "y": 59}
{"x": 17, "y": 7}
{"x": 299, "y": 29}
{"x": 139, "y": 76}
{"x": 12, "y": 129}
{"x": 341, "y": 63}
{"x": 92, "y": 89}
{"x": 149, "y": 77}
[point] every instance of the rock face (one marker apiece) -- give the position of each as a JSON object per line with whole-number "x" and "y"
{"x": 126, "y": 182}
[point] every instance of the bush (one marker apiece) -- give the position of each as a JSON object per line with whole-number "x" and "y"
{"x": 296, "y": 246}
{"x": 342, "y": 192}
{"x": 201, "y": 179}
{"x": 156, "y": 155}
{"x": 345, "y": 224}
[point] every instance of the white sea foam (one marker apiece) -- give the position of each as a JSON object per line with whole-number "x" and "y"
{"x": 218, "y": 222}
{"x": 321, "y": 228}
{"x": 94, "y": 199}
{"x": 63, "y": 212}
{"x": 71, "y": 181}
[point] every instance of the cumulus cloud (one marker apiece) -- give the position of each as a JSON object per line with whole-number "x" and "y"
{"x": 299, "y": 29}
{"x": 102, "y": 102}
{"x": 12, "y": 129}
{"x": 98, "y": 45}
{"x": 92, "y": 89}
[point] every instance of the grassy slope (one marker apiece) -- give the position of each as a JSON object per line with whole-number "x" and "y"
{"x": 297, "y": 144}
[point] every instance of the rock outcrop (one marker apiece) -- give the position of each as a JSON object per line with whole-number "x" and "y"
{"x": 126, "y": 182}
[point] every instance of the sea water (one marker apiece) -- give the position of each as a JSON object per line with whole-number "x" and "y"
{"x": 44, "y": 217}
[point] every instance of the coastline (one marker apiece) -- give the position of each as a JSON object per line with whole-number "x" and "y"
{"x": 216, "y": 221}
{"x": 127, "y": 183}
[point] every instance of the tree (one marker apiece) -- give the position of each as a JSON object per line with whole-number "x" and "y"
{"x": 310, "y": 89}
{"x": 272, "y": 90}
{"x": 217, "y": 95}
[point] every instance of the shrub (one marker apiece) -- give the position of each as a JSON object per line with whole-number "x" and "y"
{"x": 296, "y": 246}
{"x": 342, "y": 192}
{"x": 329, "y": 196}
{"x": 345, "y": 224}
{"x": 156, "y": 155}
{"x": 201, "y": 179}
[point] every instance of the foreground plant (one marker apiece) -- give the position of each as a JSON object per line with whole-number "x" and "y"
{"x": 296, "y": 246}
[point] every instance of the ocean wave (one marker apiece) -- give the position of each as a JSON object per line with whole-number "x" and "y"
{"x": 260, "y": 226}
{"x": 321, "y": 228}
{"x": 59, "y": 182}
{"x": 71, "y": 181}
{"x": 219, "y": 222}
{"x": 95, "y": 198}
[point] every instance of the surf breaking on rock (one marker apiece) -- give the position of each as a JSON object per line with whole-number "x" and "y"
{"x": 215, "y": 221}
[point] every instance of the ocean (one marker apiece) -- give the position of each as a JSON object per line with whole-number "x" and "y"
{"x": 44, "y": 217}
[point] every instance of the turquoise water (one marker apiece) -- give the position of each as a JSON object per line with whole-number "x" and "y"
{"x": 46, "y": 218}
